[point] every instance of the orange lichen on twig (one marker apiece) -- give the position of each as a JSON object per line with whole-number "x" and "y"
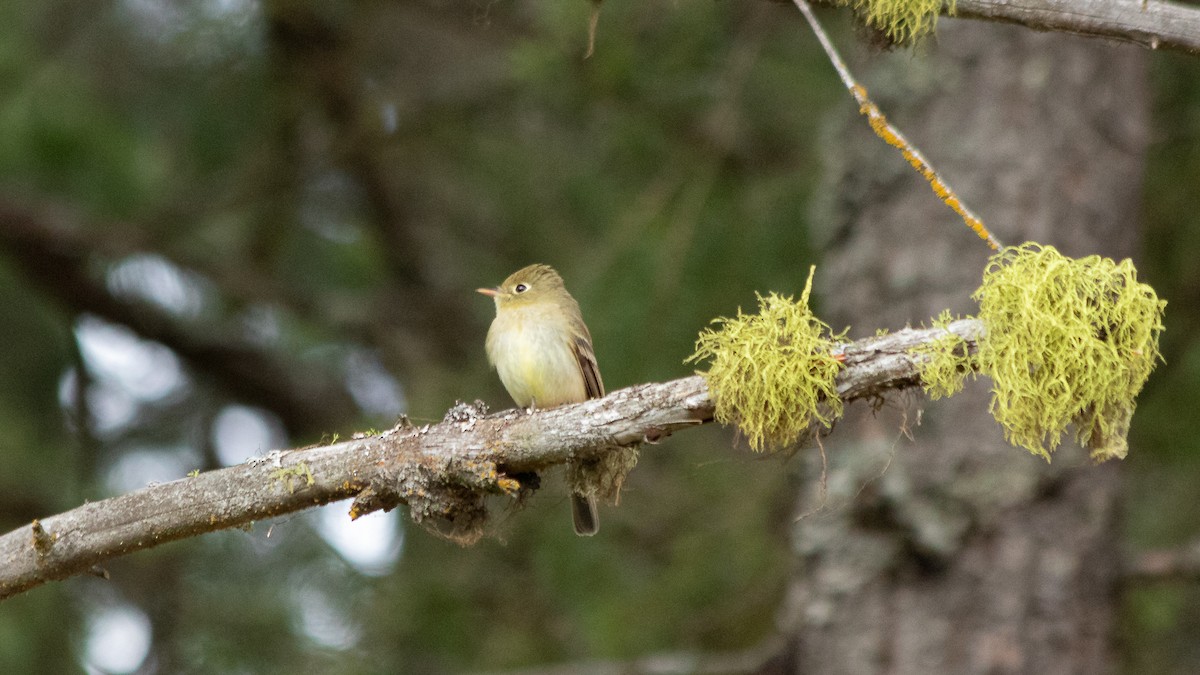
{"x": 892, "y": 136}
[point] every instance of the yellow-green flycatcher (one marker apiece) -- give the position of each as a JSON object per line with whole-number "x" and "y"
{"x": 543, "y": 352}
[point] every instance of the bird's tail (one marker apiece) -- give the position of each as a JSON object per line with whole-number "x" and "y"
{"x": 583, "y": 513}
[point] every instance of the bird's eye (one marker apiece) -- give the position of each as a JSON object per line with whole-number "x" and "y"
{"x": 520, "y": 288}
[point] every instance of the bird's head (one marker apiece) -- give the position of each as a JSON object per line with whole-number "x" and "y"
{"x": 528, "y": 286}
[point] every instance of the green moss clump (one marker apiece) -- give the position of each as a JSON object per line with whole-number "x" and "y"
{"x": 903, "y": 21}
{"x": 946, "y": 361}
{"x": 772, "y": 373}
{"x": 1067, "y": 341}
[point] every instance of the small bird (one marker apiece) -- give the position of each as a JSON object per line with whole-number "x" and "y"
{"x": 542, "y": 351}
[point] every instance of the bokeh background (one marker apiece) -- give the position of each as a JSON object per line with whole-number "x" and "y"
{"x": 230, "y": 226}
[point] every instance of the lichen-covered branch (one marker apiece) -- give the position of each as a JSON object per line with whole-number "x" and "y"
{"x": 1151, "y": 23}
{"x": 1157, "y": 24}
{"x": 444, "y": 472}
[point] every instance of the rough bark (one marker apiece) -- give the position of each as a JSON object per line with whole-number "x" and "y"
{"x": 951, "y": 552}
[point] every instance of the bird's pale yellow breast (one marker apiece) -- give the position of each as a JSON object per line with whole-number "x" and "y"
{"x": 534, "y": 354}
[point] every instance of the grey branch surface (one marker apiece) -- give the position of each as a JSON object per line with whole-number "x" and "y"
{"x": 1180, "y": 564}
{"x": 443, "y": 472}
{"x": 1154, "y": 24}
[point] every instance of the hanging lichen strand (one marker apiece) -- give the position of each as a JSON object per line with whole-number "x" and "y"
{"x": 772, "y": 373}
{"x": 1067, "y": 341}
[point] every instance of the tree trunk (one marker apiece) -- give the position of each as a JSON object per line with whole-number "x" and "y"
{"x": 953, "y": 552}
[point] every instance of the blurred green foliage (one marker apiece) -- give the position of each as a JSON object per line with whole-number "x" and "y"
{"x": 334, "y": 179}
{"x": 249, "y": 145}
{"x": 1161, "y": 620}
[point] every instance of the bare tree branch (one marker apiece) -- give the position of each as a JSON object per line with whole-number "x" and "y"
{"x": 322, "y": 61}
{"x": 442, "y": 472}
{"x": 44, "y": 229}
{"x": 60, "y": 259}
{"x": 1165, "y": 564}
{"x": 1156, "y": 24}
{"x": 1151, "y": 23}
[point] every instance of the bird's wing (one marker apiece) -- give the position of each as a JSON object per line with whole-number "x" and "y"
{"x": 591, "y": 370}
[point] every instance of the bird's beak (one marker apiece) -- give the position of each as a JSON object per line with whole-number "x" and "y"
{"x": 490, "y": 292}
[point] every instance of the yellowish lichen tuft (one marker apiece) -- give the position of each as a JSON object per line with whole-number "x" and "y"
{"x": 946, "y": 363}
{"x": 903, "y": 21}
{"x": 1067, "y": 341}
{"x": 772, "y": 373}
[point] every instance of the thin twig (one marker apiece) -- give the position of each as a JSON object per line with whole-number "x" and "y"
{"x": 892, "y": 136}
